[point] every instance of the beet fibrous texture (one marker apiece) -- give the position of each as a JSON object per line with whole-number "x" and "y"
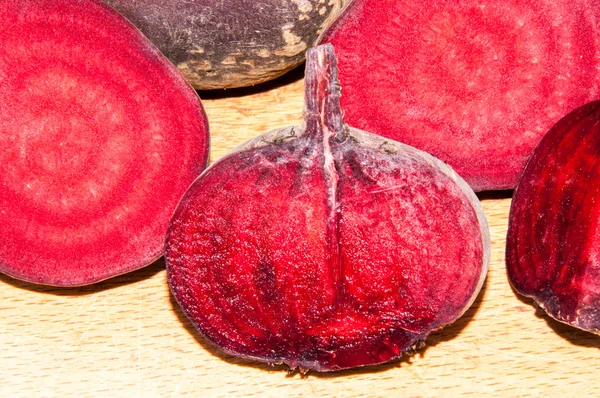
{"x": 325, "y": 247}
{"x": 100, "y": 136}
{"x": 552, "y": 250}
{"x": 231, "y": 43}
{"x": 475, "y": 83}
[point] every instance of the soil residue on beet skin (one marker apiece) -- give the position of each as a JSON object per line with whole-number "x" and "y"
{"x": 234, "y": 43}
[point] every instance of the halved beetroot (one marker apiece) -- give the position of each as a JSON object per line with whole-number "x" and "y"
{"x": 100, "y": 138}
{"x": 325, "y": 247}
{"x": 475, "y": 83}
{"x": 552, "y": 248}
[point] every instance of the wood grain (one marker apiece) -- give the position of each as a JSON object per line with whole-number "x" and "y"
{"x": 127, "y": 337}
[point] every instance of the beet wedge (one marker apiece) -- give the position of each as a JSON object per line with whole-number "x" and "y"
{"x": 475, "y": 83}
{"x": 100, "y": 138}
{"x": 552, "y": 250}
{"x": 325, "y": 247}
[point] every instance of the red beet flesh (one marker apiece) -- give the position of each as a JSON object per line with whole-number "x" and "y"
{"x": 552, "y": 248}
{"x": 100, "y": 138}
{"x": 476, "y": 84}
{"x": 324, "y": 247}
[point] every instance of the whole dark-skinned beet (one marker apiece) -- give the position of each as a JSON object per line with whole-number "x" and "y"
{"x": 325, "y": 247}
{"x": 232, "y": 43}
{"x": 100, "y": 137}
{"x": 475, "y": 83}
{"x": 552, "y": 250}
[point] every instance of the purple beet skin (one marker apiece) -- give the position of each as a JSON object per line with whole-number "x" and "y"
{"x": 231, "y": 43}
{"x": 324, "y": 247}
{"x": 552, "y": 248}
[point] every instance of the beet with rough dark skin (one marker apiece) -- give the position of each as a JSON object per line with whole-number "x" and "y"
{"x": 475, "y": 83}
{"x": 552, "y": 250}
{"x": 100, "y": 136}
{"x": 231, "y": 43}
{"x": 325, "y": 247}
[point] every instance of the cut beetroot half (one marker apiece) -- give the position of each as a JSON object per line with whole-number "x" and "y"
{"x": 553, "y": 244}
{"x": 100, "y": 138}
{"x": 325, "y": 247}
{"x": 475, "y": 83}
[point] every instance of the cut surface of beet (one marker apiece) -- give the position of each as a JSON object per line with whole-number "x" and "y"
{"x": 476, "y": 84}
{"x": 100, "y": 138}
{"x": 552, "y": 248}
{"x": 325, "y": 247}
{"x": 231, "y": 43}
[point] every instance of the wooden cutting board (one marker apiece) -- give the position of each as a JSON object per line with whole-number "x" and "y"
{"x": 127, "y": 337}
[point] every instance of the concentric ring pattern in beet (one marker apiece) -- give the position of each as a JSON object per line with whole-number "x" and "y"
{"x": 100, "y": 138}
{"x": 475, "y": 83}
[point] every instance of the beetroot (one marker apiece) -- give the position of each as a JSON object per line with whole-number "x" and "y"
{"x": 231, "y": 43}
{"x": 100, "y": 138}
{"x": 476, "y": 84}
{"x": 325, "y": 247}
{"x": 552, "y": 251}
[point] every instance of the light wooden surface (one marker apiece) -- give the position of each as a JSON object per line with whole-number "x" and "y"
{"x": 127, "y": 337}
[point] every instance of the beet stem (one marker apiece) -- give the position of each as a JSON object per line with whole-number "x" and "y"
{"x": 322, "y": 91}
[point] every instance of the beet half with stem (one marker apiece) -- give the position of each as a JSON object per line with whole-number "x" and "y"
{"x": 475, "y": 83}
{"x": 231, "y": 43}
{"x": 100, "y": 137}
{"x": 325, "y": 247}
{"x": 552, "y": 247}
